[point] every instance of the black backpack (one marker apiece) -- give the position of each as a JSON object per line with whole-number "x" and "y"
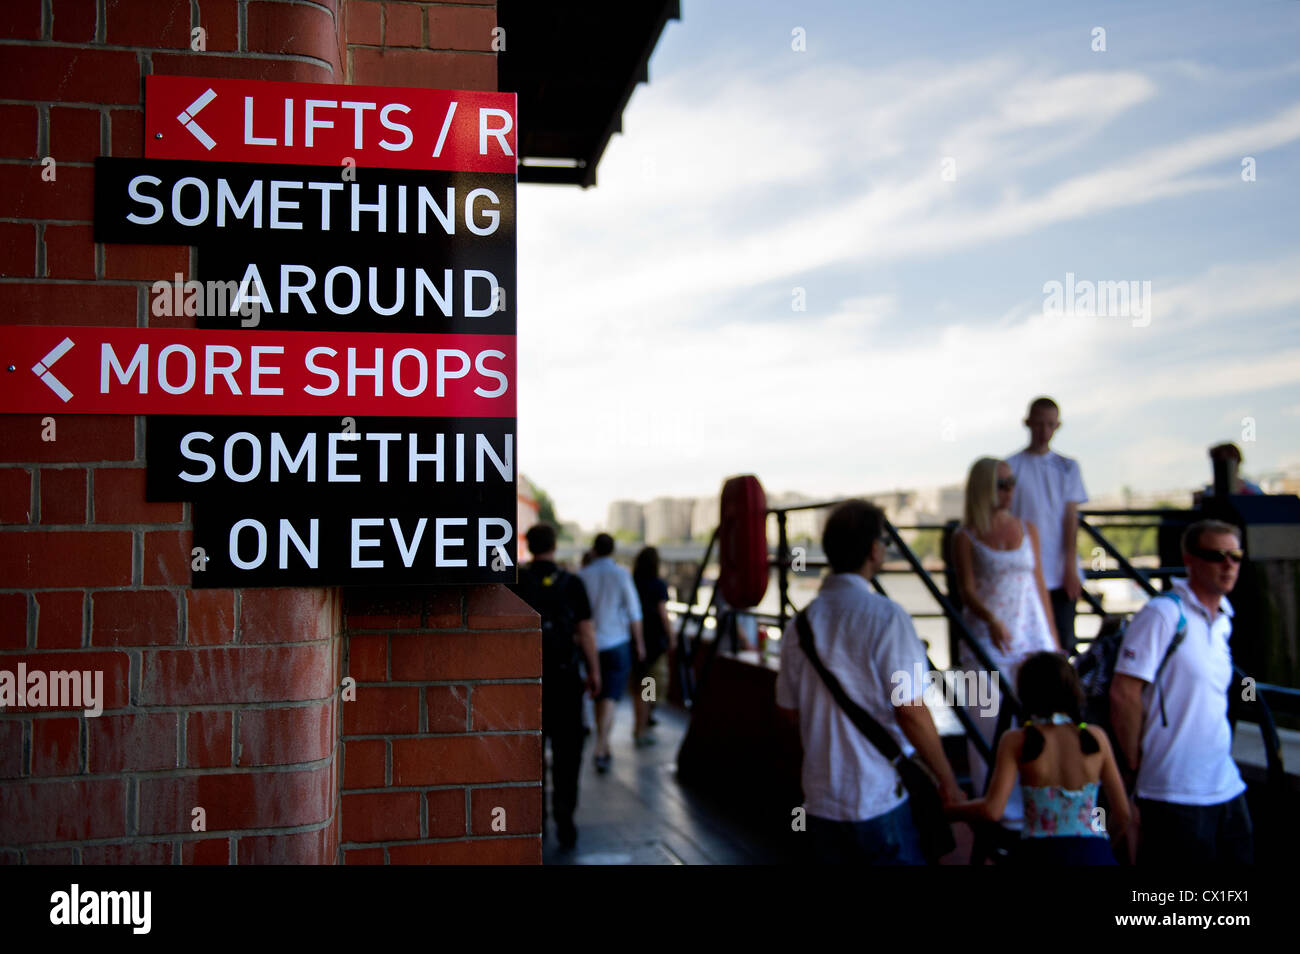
{"x": 1096, "y": 667}
{"x": 548, "y": 594}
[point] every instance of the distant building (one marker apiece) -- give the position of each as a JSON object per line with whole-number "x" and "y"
{"x": 626, "y": 517}
{"x": 706, "y": 514}
{"x": 668, "y": 520}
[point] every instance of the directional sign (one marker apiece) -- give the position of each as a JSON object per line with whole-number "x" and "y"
{"x": 304, "y": 123}
{"x": 92, "y": 370}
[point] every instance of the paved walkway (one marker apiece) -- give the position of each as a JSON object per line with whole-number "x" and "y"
{"x": 637, "y": 814}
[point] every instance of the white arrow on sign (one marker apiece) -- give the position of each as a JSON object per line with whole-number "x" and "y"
{"x": 42, "y": 369}
{"x": 186, "y": 118}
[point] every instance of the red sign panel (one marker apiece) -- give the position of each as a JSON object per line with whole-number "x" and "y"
{"x": 322, "y": 124}
{"x": 87, "y": 370}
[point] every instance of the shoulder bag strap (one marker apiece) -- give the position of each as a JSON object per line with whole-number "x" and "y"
{"x": 873, "y": 730}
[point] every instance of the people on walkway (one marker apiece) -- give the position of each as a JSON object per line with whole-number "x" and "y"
{"x": 568, "y": 641}
{"x": 1049, "y": 489}
{"x": 856, "y": 809}
{"x": 1169, "y": 711}
{"x": 616, "y": 614}
{"x": 1005, "y": 604}
{"x": 1061, "y": 763}
{"x": 659, "y": 638}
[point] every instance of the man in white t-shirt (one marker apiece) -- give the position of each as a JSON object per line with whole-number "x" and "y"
{"x": 1171, "y": 721}
{"x": 856, "y": 810}
{"x": 1049, "y": 489}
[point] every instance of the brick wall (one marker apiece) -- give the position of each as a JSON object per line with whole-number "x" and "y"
{"x": 225, "y": 700}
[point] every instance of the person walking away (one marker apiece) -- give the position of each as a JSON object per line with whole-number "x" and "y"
{"x": 1061, "y": 763}
{"x": 856, "y": 808}
{"x": 568, "y": 640}
{"x": 1049, "y": 489}
{"x": 658, "y": 636}
{"x": 1169, "y": 711}
{"x": 616, "y": 615}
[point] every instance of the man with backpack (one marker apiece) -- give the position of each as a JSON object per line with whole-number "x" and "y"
{"x": 1169, "y": 711}
{"x": 568, "y": 638}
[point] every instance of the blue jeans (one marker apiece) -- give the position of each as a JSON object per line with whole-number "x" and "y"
{"x": 615, "y": 667}
{"x": 888, "y": 839}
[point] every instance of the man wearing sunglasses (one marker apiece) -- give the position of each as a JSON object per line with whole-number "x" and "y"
{"x": 1169, "y": 710}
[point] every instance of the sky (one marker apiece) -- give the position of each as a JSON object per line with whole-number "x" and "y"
{"x": 830, "y": 267}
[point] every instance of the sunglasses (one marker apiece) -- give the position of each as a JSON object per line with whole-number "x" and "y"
{"x": 1217, "y": 556}
{"x": 1008, "y": 483}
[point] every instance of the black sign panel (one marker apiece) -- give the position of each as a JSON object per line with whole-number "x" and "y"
{"x": 316, "y": 463}
{"x": 165, "y": 202}
{"x": 470, "y": 290}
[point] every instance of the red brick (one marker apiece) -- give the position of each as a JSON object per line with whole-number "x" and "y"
{"x": 451, "y": 760}
{"x": 381, "y": 816}
{"x": 15, "y": 495}
{"x": 133, "y": 743}
{"x": 446, "y": 707}
{"x": 20, "y": 124}
{"x": 423, "y": 68}
{"x": 208, "y": 738}
{"x": 210, "y": 617}
{"x": 153, "y": 23}
{"x": 146, "y": 263}
{"x": 84, "y": 76}
{"x": 126, "y": 133}
{"x": 292, "y": 28}
{"x": 65, "y": 558}
{"x": 25, "y": 195}
{"x": 51, "y": 856}
{"x": 364, "y": 24}
{"x": 446, "y": 656}
{"x": 128, "y": 853}
{"x": 36, "y": 812}
{"x": 56, "y": 746}
{"x": 232, "y": 67}
{"x": 523, "y": 810}
{"x": 114, "y": 666}
{"x": 17, "y": 250}
{"x": 364, "y": 763}
{"x": 285, "y": 736}
{"x": 220, "y": 18}
{"x": 74, "y": 21}
{"x": 475, "y": 851}
{"x": 287, "y": 615}
{"x": 381, "y": 609}
{"x": 446, "y": 808}
{"x": 189, "y": 677}
{"x": 167, "y": 557}
{"x": 79, "y": 436}
{"x": 63, "y": 495}
{"x": 232, "y": 801}
{"x": 74, "y": 134}
{"x": 119, "y": 498}
{"x": 461, "y": 28}
{"x": 380, "y": 710}
{"x": 444, "y": 609}
{"x": 134, "y": 618}
{"x": 295, "y": 848}
{"x": 403, "y": 25}
{"x": 507, "y": 707}
{"x": 368, "y": 658}
{"x": 11, "y": 748}
{"x": 13, "y": 621}
{"x": 364, "y": 856}
{"x": 494, "y": 606}
{"x": 35, "y": 303}
{"x": 20, "y": 20}
{"x": 59, "y": 619}
{"x": 209, "y": 851}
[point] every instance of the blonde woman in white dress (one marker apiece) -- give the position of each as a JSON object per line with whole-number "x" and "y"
{"x": 1005, "y": 604}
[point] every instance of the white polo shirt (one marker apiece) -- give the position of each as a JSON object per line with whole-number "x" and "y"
{"x": 864, "y": 639}
{"x": 1045, "y": 484}
{"x": 1189, "y": 761}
